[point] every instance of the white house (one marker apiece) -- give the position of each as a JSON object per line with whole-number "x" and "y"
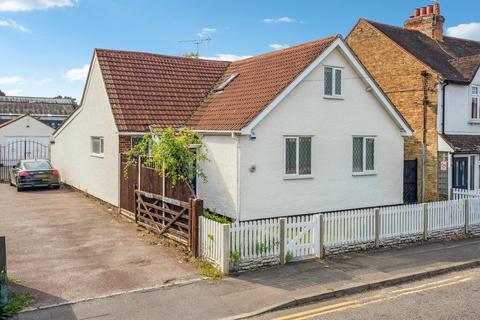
{"x": 295, "y": 131}
{"x": 25, "y": 127}
{"x": 459, "y": 124}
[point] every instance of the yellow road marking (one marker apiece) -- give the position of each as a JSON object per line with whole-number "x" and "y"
{"x": 352, "y": 304}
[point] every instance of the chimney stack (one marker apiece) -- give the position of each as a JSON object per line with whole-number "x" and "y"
{"x": 427, "y": 20}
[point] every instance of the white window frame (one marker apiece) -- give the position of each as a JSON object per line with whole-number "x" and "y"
{"x": 102, "y": 146}
{"x": 364, "y": 171}
{"x": 334, "y": 85}
{"x": 296, "y": 175}
{"x": 477, "y": 97}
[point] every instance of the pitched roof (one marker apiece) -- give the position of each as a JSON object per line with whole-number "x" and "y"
{"x": 35, "y": 106}
{"x": 260, "y": 79}
{"x": 463, "y": 143}
{"x": 8, "y": 122}
{"x": 148, "y": 89}
{"x": 441, "y": 56}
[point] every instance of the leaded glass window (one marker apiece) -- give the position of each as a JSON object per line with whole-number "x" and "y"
{"x": 333, "y": 81}
{"x": 475, "y": 108}
{"x": 298, "y": 155}
{"x": 363, "y": 154}
{"x": 328, "y": 81}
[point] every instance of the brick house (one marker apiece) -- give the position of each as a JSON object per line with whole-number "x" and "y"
{"x": 404, "y": 61}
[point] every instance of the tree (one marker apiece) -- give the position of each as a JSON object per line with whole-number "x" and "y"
{"x": 191, "y": 55}
{"x": 74, "y": 100}
{"x": 2, "y": 94}
{"x": 173, "y": 153}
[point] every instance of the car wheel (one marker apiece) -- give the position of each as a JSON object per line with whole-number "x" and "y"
{"x": 55, "y": 187}
{"x": 19, "y": 189}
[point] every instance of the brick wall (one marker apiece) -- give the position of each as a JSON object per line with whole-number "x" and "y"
{"x": 124, "y": 144}
{"x": 399, "y": 75}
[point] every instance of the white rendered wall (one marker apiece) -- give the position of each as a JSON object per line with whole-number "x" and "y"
{"x": 26, "y": 128}
{"x": 333, "y": 123}
{"x": 458, "y": 107}
{"x": 71, "y": 153}
{"x": 220, "y": 191}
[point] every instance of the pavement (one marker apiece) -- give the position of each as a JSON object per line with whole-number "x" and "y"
{"x": 254, "y": 293}
{"x": 451, "y": 296}
{"x": 63, "y": 247}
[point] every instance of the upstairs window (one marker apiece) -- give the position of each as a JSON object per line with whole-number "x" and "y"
{"x": 363, "y": 155}
{"x": 97, "y": 146}
{"x": 333, "y": 82}
{"x": 475, "y": 107}
{"x": 298, "y": 156}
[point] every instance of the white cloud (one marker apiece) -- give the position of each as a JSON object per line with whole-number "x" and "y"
{"x": 280, "y": 20}
{"x": 278, "y": 46}
{"x": 29, "y": 5}
{"x": 9, "y": 23}
{"x": 466, "y": 31}
{"x": 11, "y": 80}
{"x": 206, "y": 32}
{"x": 13, "y": 92}
{"x": 79, "y": 74}
{"x": 226, "y": 57}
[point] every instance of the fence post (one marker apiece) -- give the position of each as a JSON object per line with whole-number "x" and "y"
{"x": 425, "y": 221}
{"x": 225, "y": 259}
{"x": 377, "y": 227}
{"x": 197, "y": 211}
{"x": 466, "y": 203}
{"x": 450, "y": 194}
{"x": 3, "y": 272}
{"x": 322, "y": 235}
{"x": 282, "y": 222}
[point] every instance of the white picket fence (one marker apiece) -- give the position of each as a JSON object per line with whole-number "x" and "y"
{"x": 456, "y": 194}
{"x": 349, "y": 227}
{"x": 309, "y": 235}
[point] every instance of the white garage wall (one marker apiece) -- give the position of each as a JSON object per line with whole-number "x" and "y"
{"x": 26, "y": 128}
{"x": 71, "y": 153}
{"x": 265, "y": 192}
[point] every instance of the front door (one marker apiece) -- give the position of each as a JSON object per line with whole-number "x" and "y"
{"x": 410, "y": 181}
{"x": 460, "y": 172}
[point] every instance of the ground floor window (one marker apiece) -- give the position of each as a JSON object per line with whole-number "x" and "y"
{"x": 363, "y": 155}
{"x": 464, "y": 171}
{"x": 97, "y": 146}
{"x": 298, "y": 155}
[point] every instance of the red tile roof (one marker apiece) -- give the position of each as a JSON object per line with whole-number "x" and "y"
{"x": 260, "y": 79}
{"x": 148, "y": 89}
{"x": 156, "y": 90}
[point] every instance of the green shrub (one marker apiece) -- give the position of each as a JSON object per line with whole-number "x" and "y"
{"x": 16, "y": 303}
{"x": 215, "y": 217}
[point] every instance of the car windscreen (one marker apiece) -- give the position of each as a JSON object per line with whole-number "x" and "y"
{"x": 37, "y": 165}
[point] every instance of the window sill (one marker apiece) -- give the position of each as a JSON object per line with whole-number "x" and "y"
{"x": 368, "y": 173}
{"x": 298, "y": 177}
{"x": 333, "y": 97}
{"x": 97, "y": 155}
{"x": 474, "y": 121}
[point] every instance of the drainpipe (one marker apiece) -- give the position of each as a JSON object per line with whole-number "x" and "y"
{"x": 444, "y": 85}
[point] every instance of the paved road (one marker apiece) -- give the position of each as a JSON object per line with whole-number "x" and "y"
{"x": 452, "y": 296}
{"x": 62, "y": 246}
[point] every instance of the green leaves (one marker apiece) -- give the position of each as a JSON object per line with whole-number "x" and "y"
{"x": 173, "y": 152}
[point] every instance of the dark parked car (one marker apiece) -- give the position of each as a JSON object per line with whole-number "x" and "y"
{"x": 34, "y": 173}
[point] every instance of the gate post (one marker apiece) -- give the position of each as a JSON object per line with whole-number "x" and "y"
{"x": 377, "y": 227}
{"x": 196, "y": 206}
{"x": 225, "y": 247}
{"x": 282, "y": 222}
{"x": 425, "y": 221}
{"x": 3, "y": 272}
{"x": 321, "y": 230}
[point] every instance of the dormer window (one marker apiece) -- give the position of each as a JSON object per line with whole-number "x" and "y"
{"x": 333, "y": 82}
{"x": 475, "y": 107}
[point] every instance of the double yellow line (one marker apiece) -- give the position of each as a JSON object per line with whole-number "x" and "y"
{"x": 352, "y": 304}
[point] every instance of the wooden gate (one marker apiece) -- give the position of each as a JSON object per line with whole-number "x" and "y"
{"x": 301, "y": 236}
{"x": 172, "y": 213}
{"x": 410, "y": 181}
{"x": 21, "y": 149}
{"x": 174, "y": 219}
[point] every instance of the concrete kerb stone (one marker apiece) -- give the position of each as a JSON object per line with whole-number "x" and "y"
{"x": 357, "y": 289}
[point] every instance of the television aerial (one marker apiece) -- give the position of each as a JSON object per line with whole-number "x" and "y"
{"x": 197, "y": 43}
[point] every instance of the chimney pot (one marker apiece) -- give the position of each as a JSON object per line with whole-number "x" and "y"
{"x": 430, "y": 9}
{"x": 423, "y": 11}
{"x": 416, "y": 12}
{"x": 428, "y": 21}
{"x": 436, "y": 9}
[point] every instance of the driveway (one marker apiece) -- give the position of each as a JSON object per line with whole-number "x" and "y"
{"x": 63, "y": 246}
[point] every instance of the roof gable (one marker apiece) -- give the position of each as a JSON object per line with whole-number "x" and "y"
{"x": 260, "y": 79}
{"x": 6, "y": 124}
{"x": 436, "y": 54}
{"x": 148, "y": 89}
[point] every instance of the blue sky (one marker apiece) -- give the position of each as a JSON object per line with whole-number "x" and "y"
{"x": 46, "y": 45}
